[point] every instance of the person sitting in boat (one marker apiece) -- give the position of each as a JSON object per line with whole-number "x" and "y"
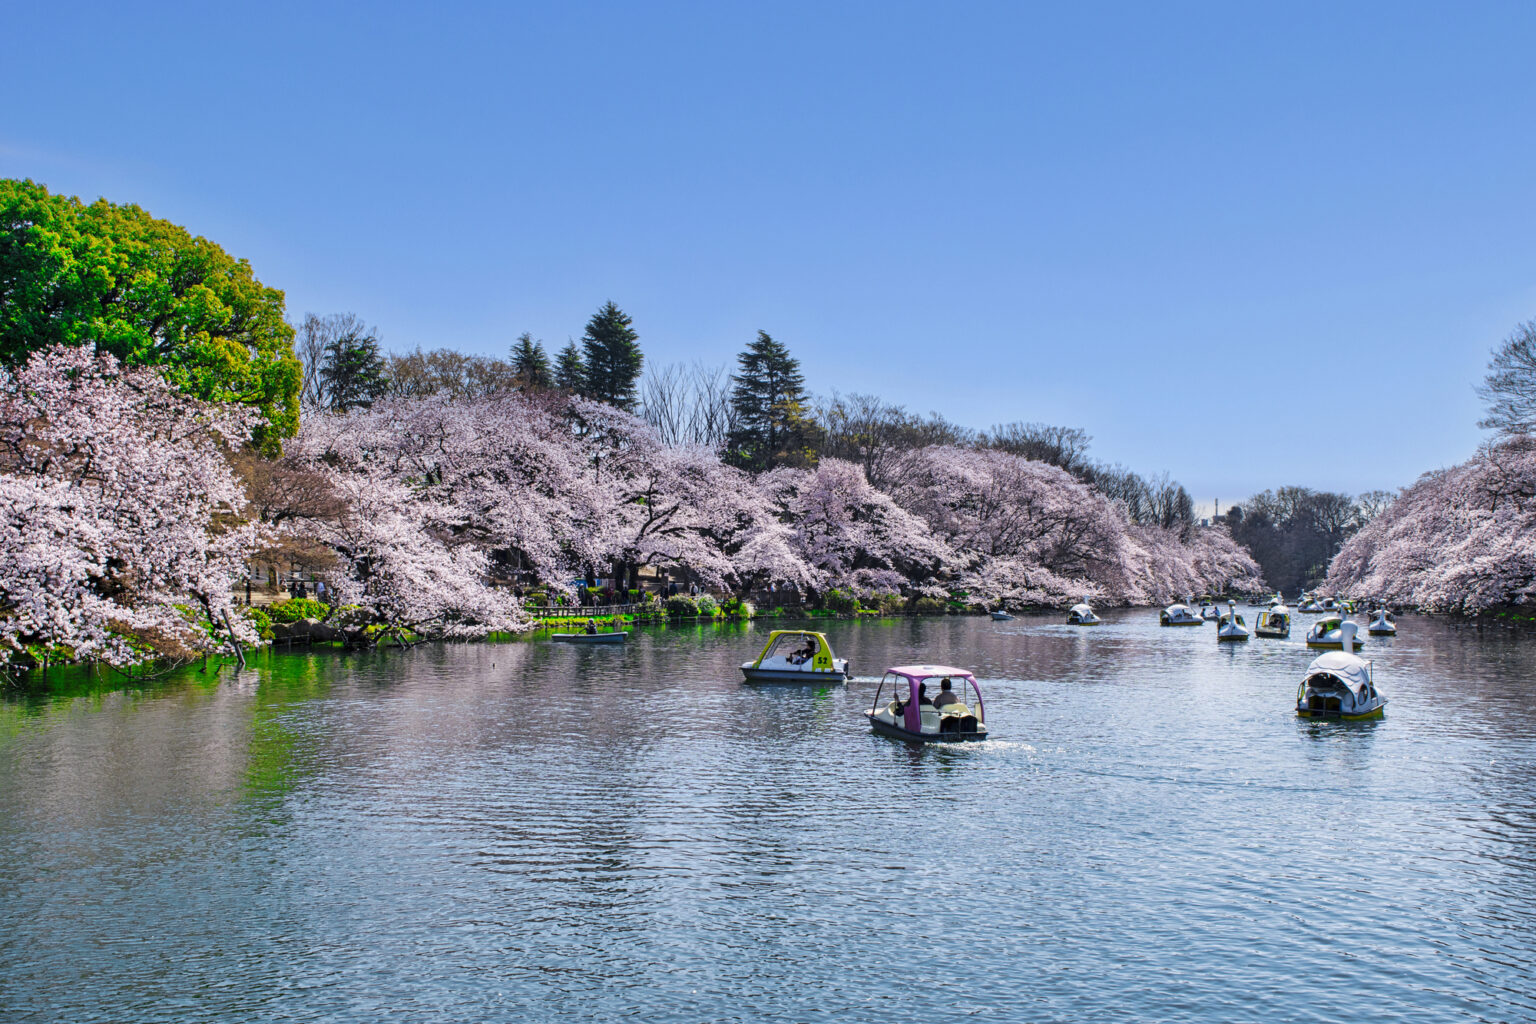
{"x": 922, "y": 695}
{"x": 947, "y": 695}
{"x": 804, "y": 654}
{"x": 591, "y": 627}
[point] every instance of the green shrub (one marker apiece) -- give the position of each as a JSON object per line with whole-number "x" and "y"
{"x": 296, "y": 608}
{"x": 884, "y": 602}
{"x": 681, "y": 606}
{"x": 708, "y": 605}
{"x": 262, "y": 622}
{"x": 930, "y": 606}
{"x": 736, "y": 608}
{"x": 841, "y": 602}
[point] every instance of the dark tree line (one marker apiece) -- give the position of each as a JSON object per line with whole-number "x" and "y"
{"x": 1294, "y": 532}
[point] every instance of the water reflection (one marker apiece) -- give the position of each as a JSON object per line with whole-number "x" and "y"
{"x": 542, "y": 831}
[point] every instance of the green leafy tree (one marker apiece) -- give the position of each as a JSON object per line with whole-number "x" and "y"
{"x": 611, "y": 354}
{"x": 150, "y": 293}
{"x": 570, "y": 371}
{"x": 531, "y": 364}
{"x": 353, "y": 374}
{"x": 768, "y": 400}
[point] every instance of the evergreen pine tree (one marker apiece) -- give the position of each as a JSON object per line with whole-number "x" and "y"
{"x": 353, "y": 372}
{"x": 570, "y": 371}
{"x": 611, "y": 353}
{"x": 530, "y": 363}
{"x": 768, "y": 398}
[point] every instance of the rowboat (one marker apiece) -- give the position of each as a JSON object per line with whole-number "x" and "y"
{"x": 590, "y": 638}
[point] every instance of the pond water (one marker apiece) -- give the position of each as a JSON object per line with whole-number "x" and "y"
{"x": 528, "y": 831}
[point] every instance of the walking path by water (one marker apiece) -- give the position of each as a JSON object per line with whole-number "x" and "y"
{"x": 535, "y": 832}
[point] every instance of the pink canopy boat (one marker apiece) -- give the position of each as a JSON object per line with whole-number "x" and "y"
{"x": 929, "y": 704}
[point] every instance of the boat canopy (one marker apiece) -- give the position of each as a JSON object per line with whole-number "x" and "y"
{"x": 1177, "y": 607}
{"x": 1353, "y": 672}
{"x": 783, "y": 639}
{"x": 918, "y": 673}
{"x": 1081, "y": 610}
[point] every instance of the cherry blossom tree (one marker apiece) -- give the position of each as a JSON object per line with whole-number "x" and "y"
{"x": 1459, "y": 540}
{"x": 122, "y": 525}
{"x": 853, "y": 535}
{"x": 1026, "y": 514}
{"x": 679, "y": 506}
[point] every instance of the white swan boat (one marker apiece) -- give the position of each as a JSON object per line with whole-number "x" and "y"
{"x": 796, "y": 656}
{"x": 1179, "y": 614}
{"x": 1382, "y": 624}
{"x": 1330, "y": 632}
{"x": 1231, "y": 628}
{"x": 1081, "y": 614}
{"x": 1340, "y": 685}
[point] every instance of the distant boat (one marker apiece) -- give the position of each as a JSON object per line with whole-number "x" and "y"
{"x": 1000, "y": 616}
{"x": 1082, "y": 615}
{"x": 1179, "y": 614}
{"x": 1274, "y": 623}
{"x": 590, "y": 638}
{"x": 1231, "y": 627}
{"x": 1383, "y": 624}
{"x": 1331, "y": 631}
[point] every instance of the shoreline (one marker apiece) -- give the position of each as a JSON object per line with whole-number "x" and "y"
{"x": 71, "y": 679}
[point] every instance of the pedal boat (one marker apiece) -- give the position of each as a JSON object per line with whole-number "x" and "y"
{"x": 904, "y": 717}
{"x": 616, "y": 637}
{"x": 1231, "y": 628}
{"x": 1328, "y": 632}
{"x": 1082, "y": 615}
{"x": 1340, "y": 685}
{"x": 1383, "y": 624}
{"x": 1310, "y": 606}
{"x": 779, "y": 662}
{"x": 1208, "y": 613}
{"x": 1001, "y": 616}
{"x": 1179, "y": 615}
{"x": 1274, "y": 624}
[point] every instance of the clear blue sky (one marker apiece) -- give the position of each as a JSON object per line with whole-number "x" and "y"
{"x": 1179, "y": 226}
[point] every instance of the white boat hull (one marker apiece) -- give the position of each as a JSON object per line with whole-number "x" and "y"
{"x": 885, "y": 728}
{"x": 805, "y": 677}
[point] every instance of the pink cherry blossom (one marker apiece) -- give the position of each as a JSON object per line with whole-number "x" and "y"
{"x": 117, "y": 505}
